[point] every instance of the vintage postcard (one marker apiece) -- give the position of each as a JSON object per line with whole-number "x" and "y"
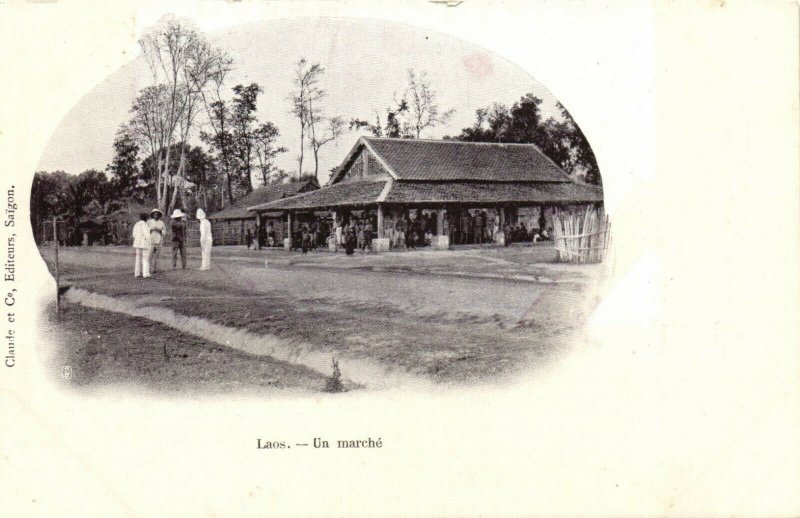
{"x": 445, "y": 258}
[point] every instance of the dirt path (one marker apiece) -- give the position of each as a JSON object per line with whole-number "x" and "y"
{"x": 439, "y": 329}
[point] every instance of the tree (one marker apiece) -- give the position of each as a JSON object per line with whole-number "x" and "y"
{"x": 220, "y": 141}
{"x": 423, "y": 111}
{"x": 416, "y": 111}
{"x": 392, "y": 127}
{"x": 559, "y": 138}
{"x": 242, "y": 120}
{"x": 265, "y": 137}
{"x": 148, "y": 130}
{"x": 307, "y": 107}
{"x": 89, "y": 195}
{"x": 183, "y": 65}
{"x": 334, "y": 127}
{"x": 49, "y": 193}
{"x": 202, "y": 174}
{"x": 124, "y": 168}
{"x": 306, "y": 94}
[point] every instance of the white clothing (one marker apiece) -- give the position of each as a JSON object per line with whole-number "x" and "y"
{"x": 205, "y": 255}
{"x": 142, "y": 267}
{"x": 141, "y": 235}
{"x": 206, "y": 241}
{"x": 205, "y": 231}
{"x": 157, "y": 230}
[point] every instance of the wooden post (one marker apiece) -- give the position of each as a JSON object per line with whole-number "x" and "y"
{"x": 380, "y": 221}
{"x": 439, "y": 222}
{"x": 58, "y": 277}
{"x": 289, "y": 226}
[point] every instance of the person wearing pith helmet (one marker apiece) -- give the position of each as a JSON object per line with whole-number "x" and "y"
{"x": 141, "y": 245}
{"x": 206, "y": 240}
{"x": 157, "y": 230}
{"x": 177, "y": 226}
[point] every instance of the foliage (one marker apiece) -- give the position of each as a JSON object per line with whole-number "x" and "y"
{"x": 220, "y": 143}
{"x": 334, "y": 382}
{"x": 202, "y": 184}
{"x": 243, "y": 119}
{"x": 49, "y": 193}
{"x": 124, "y": 167}
{"x": 86, "y": 198}
{"x": 416, "y": 111}
{"x": 307, "y": 107}
{"x": 185, "y": 68}
{"x": 559, "y": 138}
{"x": 423, "y": 111}
{"x": 264, "y": 137}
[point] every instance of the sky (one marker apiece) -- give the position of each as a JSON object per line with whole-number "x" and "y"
{"x": 366, "y": 64}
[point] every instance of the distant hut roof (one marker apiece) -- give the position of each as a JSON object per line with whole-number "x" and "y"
{"x": 336, "y": 195}
{"x": 131, "y": 210}
{"x": 264, "y": 194}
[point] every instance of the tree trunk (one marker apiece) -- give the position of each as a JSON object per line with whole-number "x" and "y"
{"x": 230, "y": 188}
{"x": 158, "y": 176}
{"x": 178, "y": 180}
{"x": 302, "y": 147}
{"x": 162, "y": 202}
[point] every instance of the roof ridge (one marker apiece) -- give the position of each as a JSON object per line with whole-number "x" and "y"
{"x": 442, "y": 141}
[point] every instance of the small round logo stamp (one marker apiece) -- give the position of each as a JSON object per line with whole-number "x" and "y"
{"x": 66, "y": 372}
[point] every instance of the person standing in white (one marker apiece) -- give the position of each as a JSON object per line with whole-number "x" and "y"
{"x": 157, "y": 230}
{"x": 141, "y": 244}
{"x": 205, "y": 240}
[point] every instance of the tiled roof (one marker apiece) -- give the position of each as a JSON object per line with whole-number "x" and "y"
{"x": 339, "y": 194}
{"x": 499, "y": 192}
{"x": 262, "y": 195}
{"x": 415, "y": 159}
{"x": 368, "y": 193}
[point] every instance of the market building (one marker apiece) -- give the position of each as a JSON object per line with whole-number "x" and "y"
{"x": 230, "y": 225}
{"x": 456, "y": 192}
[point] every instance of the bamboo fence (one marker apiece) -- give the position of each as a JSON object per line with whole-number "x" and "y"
{"x": 581, "y": 236}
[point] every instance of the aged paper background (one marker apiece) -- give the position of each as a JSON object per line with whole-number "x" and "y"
{"x": 684, "y": 399}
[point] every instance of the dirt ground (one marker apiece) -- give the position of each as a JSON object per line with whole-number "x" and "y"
{"x": 103, "y": 349}
{"x": 440, "y": 328}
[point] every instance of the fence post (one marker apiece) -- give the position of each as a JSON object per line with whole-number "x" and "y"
{"x": 58, "y": 289}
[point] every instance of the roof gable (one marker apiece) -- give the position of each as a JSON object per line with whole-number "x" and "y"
{"x": 445, "y": 160}
{"x": 361, "y": 162}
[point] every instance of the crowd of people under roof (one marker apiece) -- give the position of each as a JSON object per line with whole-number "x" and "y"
{"x": 354, "y": 234}
{"x": 405, "y": 232}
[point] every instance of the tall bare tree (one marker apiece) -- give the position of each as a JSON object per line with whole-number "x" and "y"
{"x": 306, "y": 95}
{"x": 423, "y": 110}
{"x": 182, "y": 65}
{"x": 307, "y": 107}
{"x": 220, "y": 138}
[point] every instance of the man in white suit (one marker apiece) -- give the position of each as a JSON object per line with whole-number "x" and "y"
{"x": 141, "y": 244}
{"x": 206, "y": 240}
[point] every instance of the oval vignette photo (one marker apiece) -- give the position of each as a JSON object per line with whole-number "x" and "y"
{"x": 293, "y": 208}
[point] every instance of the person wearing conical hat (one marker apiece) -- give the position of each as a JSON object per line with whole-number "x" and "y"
{"x": 206, "y": 240}
{"x": 157, "y": 230}
{"x": 177, "y": 226}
